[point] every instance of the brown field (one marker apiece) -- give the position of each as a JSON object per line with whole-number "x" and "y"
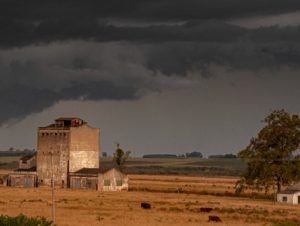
{"x": 175, "y": 201}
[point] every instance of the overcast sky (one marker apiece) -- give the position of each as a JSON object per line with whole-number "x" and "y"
{"x": 159, "y": 76}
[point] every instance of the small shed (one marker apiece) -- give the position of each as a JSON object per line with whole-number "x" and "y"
{"x": 27, "y": 162}
{"x": 26, "y": 178}
{"x": 290, "y": 195}
{"x": 4, "y": 174}
{"x": 85, "y": 178}
{"x": 112, "y": 180}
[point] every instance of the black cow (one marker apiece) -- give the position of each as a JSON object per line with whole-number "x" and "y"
{"x": 145, "y": 205}
{"x": 214, "y": 218}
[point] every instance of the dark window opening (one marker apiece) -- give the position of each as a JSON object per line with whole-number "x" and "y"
{"x": 107, "y": 182}
{"x": 284, "y": 199}
{"x": 67, "y": 123}
{"x": 119, "y": 183}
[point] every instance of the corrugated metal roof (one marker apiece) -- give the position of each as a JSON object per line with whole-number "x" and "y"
{"x": 32, "y": 169}
{"x": 88, "y": 171}
{"x": 291, "y": 189}
{"x": 27, "y": 157}
{"x": 295, "y": 187}
{"x": 67, "y": 118}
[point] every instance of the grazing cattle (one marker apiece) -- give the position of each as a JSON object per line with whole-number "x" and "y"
{"x": 214, "y": 218}
{"x": 205, "y": 209}
{"x": 145, "y": 205}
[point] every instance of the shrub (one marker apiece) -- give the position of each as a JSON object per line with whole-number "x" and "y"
{"x": 286, "y": 224}
{"x": 22, "y": 220}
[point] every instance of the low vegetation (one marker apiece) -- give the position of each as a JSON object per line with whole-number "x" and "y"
{"x": 22, "y": 220}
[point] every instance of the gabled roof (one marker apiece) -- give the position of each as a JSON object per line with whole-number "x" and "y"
{"x": 295, "y": 187}
{"x": 107, "y": 167}
{"x": 27, "y": 157}
{"x": 105, "y": 171}
{"x": 67, "y": 118}
{"x": 291, "y": 189}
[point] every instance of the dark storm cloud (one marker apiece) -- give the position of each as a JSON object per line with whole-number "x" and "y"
{"x": 142, "y": 9}
{"x": 32, "y": 21}
{"x": 19, "y": 100}
{"x": 35, "y": 78}
{"x": 57, "y": 50}
{"x": 100, "y": 90}
{"x": 183, "y": 57}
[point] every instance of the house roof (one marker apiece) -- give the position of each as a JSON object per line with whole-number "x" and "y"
{"x": 32, "y": 169}
{"x": 291, "y": 189}
{"x": 88, "y": 171}
{"x": 295, "y": 187}
{"x": 116, "y": 169}
{"x": 27, "y": 157}
{"x": 104, "y": 167}
{"x": 67, "y": 118}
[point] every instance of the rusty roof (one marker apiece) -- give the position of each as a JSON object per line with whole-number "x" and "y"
{"x": 27, "y": 157}
{"x": 291, "y": 189}
{"x": 67, "y": 118}
{"x": 32, "y": 169}
{"x": 88, "y": 171}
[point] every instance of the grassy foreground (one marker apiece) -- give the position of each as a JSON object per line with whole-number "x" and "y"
{"x": 83, "y": 207}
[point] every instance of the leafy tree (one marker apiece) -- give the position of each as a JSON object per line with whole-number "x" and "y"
{"x": 120, "y": 156}
{"x": 270, "y": 156}
{"x": 194, "y": 154}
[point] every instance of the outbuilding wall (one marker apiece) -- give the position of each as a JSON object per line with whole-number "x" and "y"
{"x": 22, "y": 180}
{"x": 84, "y": 148}
{"x": 28, "y": 163}
{"x": 290, "y": 198}
{"x": 113, "y": 180}
{"x": 84, "y": 182}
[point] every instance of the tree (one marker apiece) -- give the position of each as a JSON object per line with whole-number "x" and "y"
{"x": 270, "y": 156}
{"x": 194, "y": 154}
{"x": 120, "y": 156}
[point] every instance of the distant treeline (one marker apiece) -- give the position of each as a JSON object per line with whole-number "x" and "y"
{"x": 13, "y": 152}
{"x": 160, "y": 156}
{"x": 193, "y": 154}
{"x": 226, "y": 156}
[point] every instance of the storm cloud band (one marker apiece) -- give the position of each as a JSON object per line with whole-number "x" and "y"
{"x": 52, "y": 51}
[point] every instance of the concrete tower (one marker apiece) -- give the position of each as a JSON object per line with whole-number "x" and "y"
{"x": 68, "y": 145}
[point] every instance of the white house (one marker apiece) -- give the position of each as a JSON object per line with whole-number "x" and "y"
{"x": 290, "y": 195}
{"x": 112, "y": 180}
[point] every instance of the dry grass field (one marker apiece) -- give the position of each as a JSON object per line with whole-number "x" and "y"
{"x": 170, "y": 205}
